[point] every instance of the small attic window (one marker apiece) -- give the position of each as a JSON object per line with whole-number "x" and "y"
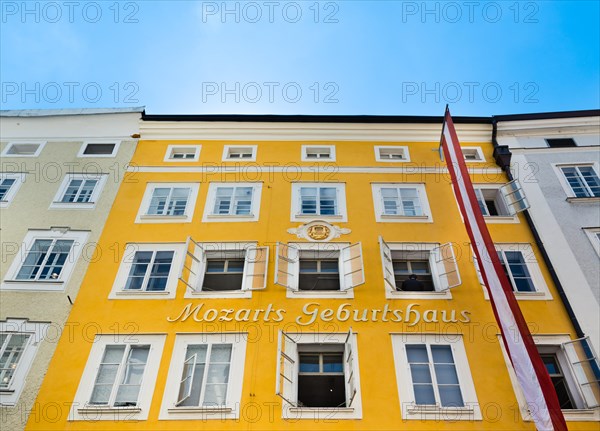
{"x": 561, "y": 142}
{"x": 23, "y": 149}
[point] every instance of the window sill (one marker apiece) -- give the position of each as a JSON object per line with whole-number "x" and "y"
{"x": 7, "y": 391}
{"x": 142, "y": 292}
{"x": 400, "y": 294}
{"x": 47, "y": 285}
{"x": 322, "y": 216}
{"x": 467, "y": 413}
{"x": 501, "y": 219}
{"x": 576, "y": 200}
{"x": 243, "y": 216}
{"x": 321, "y": 409}
{"x": 321, "y": 294}
{"x": 200, "y": 410}
{"x": 403, "y": 219}
{"x": 572, "y": 415}
{"x": 106, "y": 409}
{"x": 132, "y": 294}
{"x": 524, "y": 296}
{"x": 228, "y": 294}
{"x": 163, "y": 217}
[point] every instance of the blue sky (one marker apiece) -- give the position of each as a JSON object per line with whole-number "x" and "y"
{"x": 302, "y": 57}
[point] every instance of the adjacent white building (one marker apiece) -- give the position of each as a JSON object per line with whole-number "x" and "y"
{"x": 556, "y": 157}
{"x": 59, "y": 174}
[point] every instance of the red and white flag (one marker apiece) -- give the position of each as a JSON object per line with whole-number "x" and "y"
{"x": 529, "y": 368}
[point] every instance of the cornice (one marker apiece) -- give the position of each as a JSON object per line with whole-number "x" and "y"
{"x": 548, "y": 127}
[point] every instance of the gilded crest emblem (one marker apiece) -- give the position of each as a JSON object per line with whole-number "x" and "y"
{"x": 318, "y": 232}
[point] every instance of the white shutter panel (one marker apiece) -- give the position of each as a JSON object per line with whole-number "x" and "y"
{"x": 352, "y": 271}
{"x": 287, "y": 266}
{"x": 479, "y": 276}
{"x": 586, "y": 369}
{"x": 194, "y": 265}
{"x": 447, "y": 267}
{"x": 255, "y": 268}
{"x": 185, "y": 385}
{"x": 514, "y": 197}
{"x": 386, "y": 261}
{"x": 286, "y": 369}
{"x": 349, "y": 369}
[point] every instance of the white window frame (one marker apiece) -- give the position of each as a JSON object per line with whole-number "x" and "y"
{"x": 11, "y": 283}
{"x": 565, "y": 184}
{"x": 143, "y": 216}
{"x": 307, "y": 148}
{"x": 83, "y": 411}
{"x": 254, "y": 215}
{"x": 101, "y": 180}
{"x": 293, "y": 265}
{"x": 500, "y": 203}
{"x": 19, "y": 180}
{"x": 193, "y": 268}
{"x": 440, "y": 256}
{"x": 227, "y": 153}
{"x": 117, "y": 144}
{"x": 288, "y": 346}
{"x": 40, "y": 144}
{"x": 593, "y": 234}
{"x": 169, "y": 409}
{"x": 118, "y": 289}
{"x": 171, "y": 149}
{"x": 340, "y": 202}
{"x": 401, "y": 149}
{"x": 477, "y": 151}
{"x": 37, "y": 332}
{"x": 551, "y": 342}
{"x": 427, "y": 217}
{"x": 542, "y": 292}
{"x": 412, "y": 411}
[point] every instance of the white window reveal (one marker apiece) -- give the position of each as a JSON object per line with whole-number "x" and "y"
{"x": 224, "y": 269}
{"x": 418, "y": 270}
{"x": 318, "y": 200}
{"x": 246, "y": 153}
{"x": 583, "y": 180}
{"x": 9, "y": 185}
{"x": 119, "y": 378}
{"x": 168, "y": 203}
{"x": 434, "y": 380}
{"x": 318, "y": 153}
{"x": 318, "y": 376}
{"x": 401, "y": 203}
{"x": 205, "y": 377}
{"x": 79, "y": 191}
{"x": 182, "y": 153}
{"x": 391, "y": 154}
{"x": 23, "y": 149}
{"x": 473, "y": 154}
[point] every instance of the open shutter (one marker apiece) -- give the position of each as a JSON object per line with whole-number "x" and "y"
{"x": 286, "y": 369}
{"x": 514, "y": 197}
{"x": 349, "y": 369}
{"x": 478, "y": 271}
{"x": 185, "y": 385}
{"x": 352, "y": 271}
{"x": 586, "y": 369}
{"x": 386, "y": 261}
{"x": 194, "y": 265}
{"x": 287, "y": 266}
{"x": 445, "y": 262}
{"x": 255, "y": 268}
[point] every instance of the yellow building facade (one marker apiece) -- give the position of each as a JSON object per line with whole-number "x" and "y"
{"x": 253, "y": 274}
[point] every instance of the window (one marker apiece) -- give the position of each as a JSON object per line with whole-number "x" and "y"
{"x": 582, "y": 181}
{"x": 168, "y": 203}
{"x": 435, "y": 267}
{"x": 490, "y": 202}
{"x": 497, "y": 201}
{"x": 119, "y": 377}
{"x": 99, "y": 149}
{"x": 473, "y": 154}
{"x": 245, "y": 153}
{"x": 217, "y": 269}
{"x": 205, "y": 378}
{"x": 321, "y": 200}
{"x": 515, "y": 268}
{"x": 46, "y": 260}
{"x": 561, "y": 142}
{"x": 23, "y": 149}
{"x": 401, "y": 203}
{"x": 233, "y": 202}
{"x": 391, "y": 154}
{"x": 325, "y": 381}
{"x": 573, "y": 368}
{"x": 148, "y": 271}
{"x": 319, "y": 270}
{"x": 182, "y": 153}
{"x": 318, "y": 153}
{"x": 9, "y": 185}
{"x": 434, "y": 380}
{"x": 19, "y": 340}
{"x": 593, "y": 234}
{"x": 79, "y": 191}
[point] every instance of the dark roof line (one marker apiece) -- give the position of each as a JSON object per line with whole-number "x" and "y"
{"x": 548, "y": 115}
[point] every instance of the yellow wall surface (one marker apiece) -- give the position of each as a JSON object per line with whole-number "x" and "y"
{"x": 93, "y": 313}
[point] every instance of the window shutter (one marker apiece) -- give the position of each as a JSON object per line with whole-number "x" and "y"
{"x": 349, "y": 369}
{"x": 514, "y": 197}
{"x": 352, "y": 272}
{"x": 287, "y": 266}
{"x": 255, "y": 268}
{"x": 286, "y": 369}
{"x": 187, "y": 378}
{"x": 447, "y": 267}
{"x": 386, "y": 261}
{"x": 586, "y": 369}
{"x": 194, "y": 265}
{"x": 478, "y": 271}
